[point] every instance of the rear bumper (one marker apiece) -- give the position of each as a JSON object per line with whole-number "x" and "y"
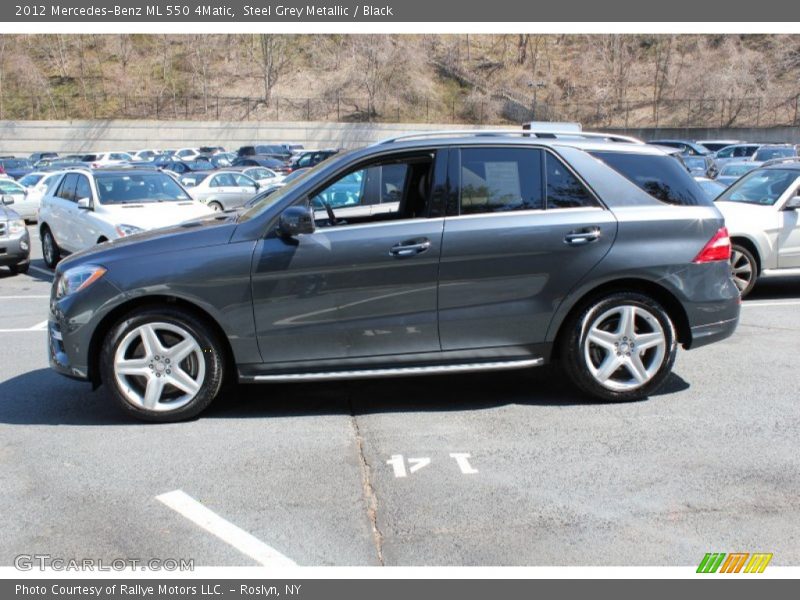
{"x": 703, "y": 335}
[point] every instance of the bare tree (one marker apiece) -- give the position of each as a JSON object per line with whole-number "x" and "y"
{"x": 273, "y": 55}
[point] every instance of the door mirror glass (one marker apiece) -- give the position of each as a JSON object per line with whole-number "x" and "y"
{"x": 85, "y": 203}
{"x": 296, "y": 220}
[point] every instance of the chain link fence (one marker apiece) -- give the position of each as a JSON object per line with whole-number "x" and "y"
{"x": 675, "y": 112}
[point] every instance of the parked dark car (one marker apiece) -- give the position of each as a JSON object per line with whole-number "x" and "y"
{"x": 37, "y": 156}
{"x": 15, "y": 241}
{"x": 686, "y": 147}
{"x": 186, "y": 166}
{"x": 773, "y": 151}
{"x": 263, "y": 161}
{"x": 277, "y": 151}
{"x": 311, "y": 159}
{"x": 481, "y": 254}
{"x": 16, "y": 167}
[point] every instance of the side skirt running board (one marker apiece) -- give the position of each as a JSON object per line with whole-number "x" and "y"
{"x": 396, "y": 372}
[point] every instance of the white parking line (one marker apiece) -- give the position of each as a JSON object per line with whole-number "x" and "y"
{"x": 245, "y": 543}
{"x": 777, "y": 303}
{"x": 24, "y": 297}
{"x": 38, "y": 327}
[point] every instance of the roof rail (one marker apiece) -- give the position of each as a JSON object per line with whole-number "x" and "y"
{"x": 612, "y": 137}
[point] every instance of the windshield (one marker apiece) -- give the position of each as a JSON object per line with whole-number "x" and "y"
{"x": 762, "y": 187}
{"x": 10, "y": 187}
{"x": 31, "y": 179}
{"x": 194, "y": 179}
{"x": 695, "y": 162}
{"x": 764, "y": 154}
{"x": 735, "y": 170}
{"x": 138, "y": 188}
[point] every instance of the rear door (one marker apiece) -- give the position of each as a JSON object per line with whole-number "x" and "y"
{"x": 521, "y": 231}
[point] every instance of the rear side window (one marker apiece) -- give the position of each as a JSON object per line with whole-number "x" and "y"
{"x": 500, "y": 180}
{"x": 82, "y": 188}
{"x": 661, "y": 176}
{"x": 564, "y": 190}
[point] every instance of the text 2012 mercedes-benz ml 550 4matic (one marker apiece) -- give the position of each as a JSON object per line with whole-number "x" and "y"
{"x": 426, "y": 254}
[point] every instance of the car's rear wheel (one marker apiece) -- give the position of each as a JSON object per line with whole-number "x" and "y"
{"x": 50, "y": 250}
{"x": 620, "y": 347}
{"x": 744, "y": 269}
{"x": 215, "y": 206}
{"x": 162, "y": 364}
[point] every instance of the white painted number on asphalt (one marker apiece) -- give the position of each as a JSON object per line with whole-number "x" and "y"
{"x": 462, "y": 458}
{"x": 414, "y": 464}
{"x": 398, "y": 464}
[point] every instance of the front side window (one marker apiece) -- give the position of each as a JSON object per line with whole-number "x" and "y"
{"x": 244, "y": 181}
{"x": 500, "y": 180}
{"x": 761, "y": 187}
{"x": 82, "y": 188}
{"x": 66, "y": 190}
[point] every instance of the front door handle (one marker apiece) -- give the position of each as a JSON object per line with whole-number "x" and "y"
{"x": 410, "y": 247}
{"x": 582, "y": 236}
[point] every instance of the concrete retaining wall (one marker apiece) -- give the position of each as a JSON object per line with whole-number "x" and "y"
{"x": 24, "y": 137}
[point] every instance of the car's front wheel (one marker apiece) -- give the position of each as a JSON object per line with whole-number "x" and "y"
{"x": 744, "y": 269}
{"x": 215, "y": 206}
{"x": 620, "y": 347}
{"x": 50, "y": 250}
{"x": 162, "y": 364}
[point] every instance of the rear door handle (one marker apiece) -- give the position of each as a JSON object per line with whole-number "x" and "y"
{"x": 582, "y": 236}
{"x": 410, "y": 247}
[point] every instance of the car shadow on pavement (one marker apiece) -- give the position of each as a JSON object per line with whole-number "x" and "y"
{"x": 42, "y": 397}
{"x": 779, "y": 288}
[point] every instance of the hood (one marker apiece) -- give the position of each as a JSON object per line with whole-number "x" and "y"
{"x": 149, "y": 214}
{"x": 214, "y": 231}
{"x": 747, "y": 218}
{"x": 7, "y": 213}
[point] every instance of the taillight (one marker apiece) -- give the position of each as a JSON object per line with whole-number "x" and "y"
{"x": 717, "y": 248}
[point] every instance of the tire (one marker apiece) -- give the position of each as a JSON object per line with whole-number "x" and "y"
{"x": 215, "y": 206}
{"x": 176, "y": 338}
{"x": 597, "y": 339}
{"x": 20, "y": 268}
{"x": 51, "y": 253}
{"x": 744, "y": 269}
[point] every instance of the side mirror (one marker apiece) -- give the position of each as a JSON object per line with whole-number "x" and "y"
{"x": 793, "y": 203}
{"x": 85, "y": 204}
{"x": 296, "y": 220}
{"x": 258, "y": 186}
{"x": 8, "y": 199}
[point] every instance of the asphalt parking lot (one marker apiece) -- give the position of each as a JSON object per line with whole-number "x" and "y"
{"x": 502, "y": 469}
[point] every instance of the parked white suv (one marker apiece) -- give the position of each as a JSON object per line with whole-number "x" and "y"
{"x": 85, "y": 207}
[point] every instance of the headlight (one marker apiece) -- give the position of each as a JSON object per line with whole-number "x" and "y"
{"x": 16, "y": 226}
{"x": 124, "y": 230}
{"x": 78, "y": 278}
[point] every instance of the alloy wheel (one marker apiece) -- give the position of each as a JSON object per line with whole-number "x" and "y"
{"x": 159, "y": 367}
{"x": 742, "y": 269}
{"x": 624, "y": 347}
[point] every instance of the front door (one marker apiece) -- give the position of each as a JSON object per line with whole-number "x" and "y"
{"x": 362, "y": 285}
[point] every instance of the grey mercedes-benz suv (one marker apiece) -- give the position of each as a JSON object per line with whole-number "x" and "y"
{"x": 435, "y": 253}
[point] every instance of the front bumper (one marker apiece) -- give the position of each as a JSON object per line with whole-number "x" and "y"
{"x": 15, "y": 250}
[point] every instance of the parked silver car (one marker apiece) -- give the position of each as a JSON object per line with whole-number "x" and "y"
{"x": 762, "y": 213}
{"x": 220, "y": 190}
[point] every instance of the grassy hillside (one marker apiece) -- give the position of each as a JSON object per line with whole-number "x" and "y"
{"x": 634, "y": 80}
